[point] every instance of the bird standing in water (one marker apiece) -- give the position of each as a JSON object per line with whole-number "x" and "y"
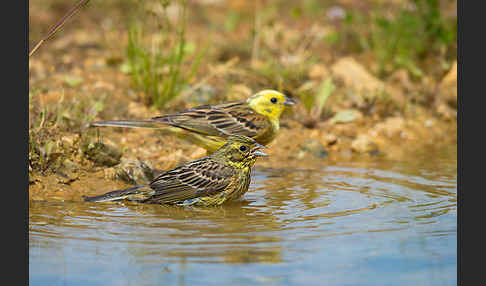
{"x": 209, "y": 126}
{"x": 212, "y": 180}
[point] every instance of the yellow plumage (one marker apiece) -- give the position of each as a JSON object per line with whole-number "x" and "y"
{"x": 222, "y": 176}
{"x": 209, "y": 126}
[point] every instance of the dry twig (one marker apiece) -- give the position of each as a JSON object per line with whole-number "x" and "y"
{"x": 59, "y": 24}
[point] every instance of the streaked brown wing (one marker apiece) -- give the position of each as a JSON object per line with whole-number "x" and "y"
{"x": 219, "y": 120}
{"x": 203, "y": 177}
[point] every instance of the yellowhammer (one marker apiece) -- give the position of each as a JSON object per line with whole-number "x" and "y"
{"x": 209, "y": 125}
{"x": 212, "y": 180}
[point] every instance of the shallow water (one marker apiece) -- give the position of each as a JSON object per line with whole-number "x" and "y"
{"x": 371, "y": 222}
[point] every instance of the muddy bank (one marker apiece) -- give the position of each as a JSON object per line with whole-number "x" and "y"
{"x": 395, "y": 138}
{"x": 83, "y": 74}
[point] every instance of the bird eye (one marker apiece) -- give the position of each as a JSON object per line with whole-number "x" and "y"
{"x": 243, "y": 148}
{"x": 273, "y": 100}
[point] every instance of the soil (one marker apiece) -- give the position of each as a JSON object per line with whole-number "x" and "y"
{"x": 84, "y": 62}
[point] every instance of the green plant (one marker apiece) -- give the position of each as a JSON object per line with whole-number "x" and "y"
{"x": 43, "y": 150}
{"x": 314, "y": 101}
{"x": 284, "y": 76}
{"x": 48, "y": 122}
{"x": 233, "y": 18}
{"x": 414, "y": 33}
{"x": 399, "y": 37}
{"x": 159, "y": 70}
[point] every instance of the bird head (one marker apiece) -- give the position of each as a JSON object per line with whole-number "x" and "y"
{"x": 270, "y": 103}
{"x": 240, "y": 151}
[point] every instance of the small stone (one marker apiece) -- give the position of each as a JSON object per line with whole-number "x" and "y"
{"x": 314, "y": 133}
{"x": 445, "y": 111}
{"x": 133, "y": 172}
{"x": 401, "y": 78}
{"x": 315, "y": 148}
{"x": 109, "y": 173}
{"x": 391, "y": 127}
{"x": 102, "y": 154}
{"x": 363, "y": 144}
{"x": 448, "y": 86}
{"x": 358, "y": 79}
{"x": 69, "y": 165}
{"x": 301, "y": 155}
{"x": 330, "y": 139}
{"x": 355, "y": 76}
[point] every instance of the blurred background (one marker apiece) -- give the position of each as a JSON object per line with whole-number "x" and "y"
{"x": 352, "y": 65}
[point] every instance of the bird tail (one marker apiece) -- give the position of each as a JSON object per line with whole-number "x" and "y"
{"x": 136, "y": 193}
{"x": 126, "y": 123}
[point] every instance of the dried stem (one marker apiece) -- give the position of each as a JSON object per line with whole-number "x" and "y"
{"x": 256, "y": 36}
{"x": 59, "y": 24}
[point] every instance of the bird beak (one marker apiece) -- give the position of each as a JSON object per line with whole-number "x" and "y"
{"x": 289, "y": 101}
{"x": 259, "y": 153}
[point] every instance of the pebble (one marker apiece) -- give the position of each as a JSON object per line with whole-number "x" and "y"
{"x": 448, "y": 86}
{"x": 390, "y": 127}
{"x": 131, "y": 171}
{"x": 102, "y": 154}
{"x": 315, "y": 148}
{"x": 330, "y": 139}
{"x": 363, "y": 144}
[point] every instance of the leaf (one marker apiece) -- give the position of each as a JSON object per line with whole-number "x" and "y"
{"x": 73, "y": 80}
{"x": 344, "y": 116}
{"x": 325, "y": 90}
{"x": 307, "y": 100}
{"x": 332, "y": 38}
{"x": 189, "y": 47}
{"x": 126, "y": 68}
{"x": 98, "y": 106}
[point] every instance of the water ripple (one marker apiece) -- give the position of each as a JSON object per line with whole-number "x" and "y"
{"x": 288, "y": 215}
